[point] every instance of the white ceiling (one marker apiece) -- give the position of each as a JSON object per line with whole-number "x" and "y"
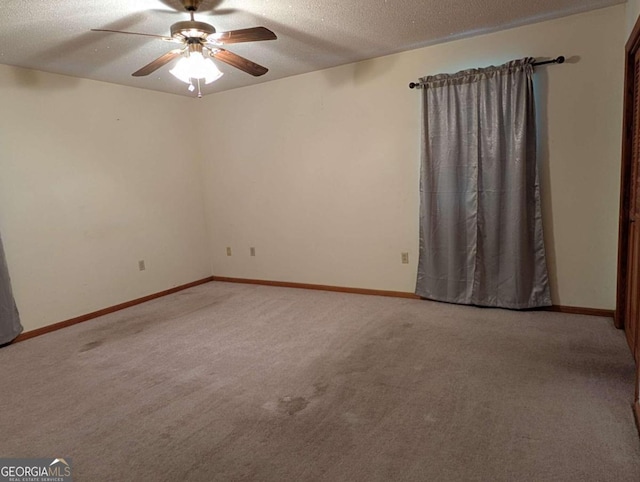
{"x": 54, "y": 35}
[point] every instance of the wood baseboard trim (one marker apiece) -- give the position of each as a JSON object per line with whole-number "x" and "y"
{"x": 283, "y": 284}
{"x": 576, "y": 310}
{"x": 105, "y": 311}
{"x": 339, "y": 289}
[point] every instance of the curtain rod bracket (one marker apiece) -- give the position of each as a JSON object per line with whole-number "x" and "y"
{"x": 558, "y": 60}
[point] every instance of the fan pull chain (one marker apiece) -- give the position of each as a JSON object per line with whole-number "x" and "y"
{"x": 193, "y": 87}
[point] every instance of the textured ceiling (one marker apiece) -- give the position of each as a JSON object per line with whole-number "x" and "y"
{"x": 54, "y": 35}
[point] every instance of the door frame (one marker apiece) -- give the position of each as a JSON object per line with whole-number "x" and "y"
{"x": 631, "y": 48}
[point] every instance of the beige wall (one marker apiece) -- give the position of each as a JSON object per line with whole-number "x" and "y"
{"x": 94, "y": 178}
{"x": 633, "y": 10}
{"x": 319, "y": 172}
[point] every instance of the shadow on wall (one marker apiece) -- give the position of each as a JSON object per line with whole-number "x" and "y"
{"x": 359, "y": 73}
{"x": 369, "y": 70}
{"x": 541, "y": 92}
{"x": 35, "y": 79}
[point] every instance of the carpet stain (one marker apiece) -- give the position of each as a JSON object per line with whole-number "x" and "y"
{"x": 90, "y": 346}
{"x": 291, "y": 405}
{"x": 320, "y": 389}
{"x": 429, "y": 418}
{"x": 352, "y": 418}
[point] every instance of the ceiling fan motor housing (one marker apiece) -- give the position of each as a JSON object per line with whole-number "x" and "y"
{"x": 191, "y": 29}
{"x": 191, "y": 5}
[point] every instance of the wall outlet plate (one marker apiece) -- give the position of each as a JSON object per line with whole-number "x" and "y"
{"x": 405, "y": 258}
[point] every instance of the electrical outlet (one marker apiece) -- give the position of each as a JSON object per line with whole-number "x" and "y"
{"x": 252, "y": 251}
{"x": 141, "y": 265}
{"x": 228, "y": 251}
{"x": 405, "y": 258}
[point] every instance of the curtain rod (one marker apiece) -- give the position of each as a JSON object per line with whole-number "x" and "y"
{"x": 557, "y": 60}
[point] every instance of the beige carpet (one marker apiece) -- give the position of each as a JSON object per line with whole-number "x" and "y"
{"x": 237, "y": 382}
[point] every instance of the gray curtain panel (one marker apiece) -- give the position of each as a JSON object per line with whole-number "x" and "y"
{"x": 10, "y": 326}
{"x": 481, "y": 237}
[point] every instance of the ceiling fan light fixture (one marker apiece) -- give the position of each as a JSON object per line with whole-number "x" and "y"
{"x": 195, "y": 66}
{"x": 200, "y": 42}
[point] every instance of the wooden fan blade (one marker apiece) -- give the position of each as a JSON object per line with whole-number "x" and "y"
{"x": 239, "y": 62}
{"x": 174, "y": 4}
{"x": 157, "y": 63}
{"x": 161, "y": 37}
{"x": 182, "y": 5}
{"x": 219, "y": 12}
{"x": 253, "y": 34}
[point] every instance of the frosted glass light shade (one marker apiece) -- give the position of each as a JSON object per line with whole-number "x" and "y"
{"x": 195, "y": 66}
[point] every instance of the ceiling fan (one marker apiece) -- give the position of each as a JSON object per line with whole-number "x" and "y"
{"x": 200, "y": 42}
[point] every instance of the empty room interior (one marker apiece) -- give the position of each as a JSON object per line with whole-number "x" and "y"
{"x": 290, "y": 265}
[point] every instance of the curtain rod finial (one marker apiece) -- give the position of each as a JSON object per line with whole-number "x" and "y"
{"x": 560, "y": 59}
{"x": 413, "y": 85}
